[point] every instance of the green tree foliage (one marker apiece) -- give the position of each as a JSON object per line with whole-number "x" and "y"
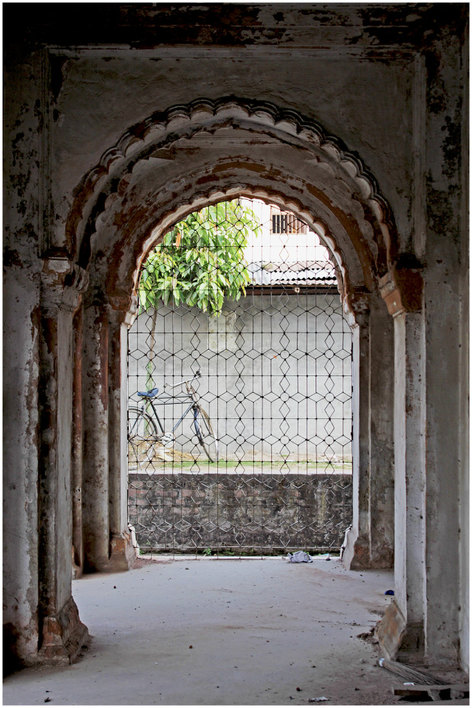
{"x": 201, "y": 261}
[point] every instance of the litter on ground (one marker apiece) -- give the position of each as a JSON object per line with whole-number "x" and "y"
{"x": 299, "y": 557}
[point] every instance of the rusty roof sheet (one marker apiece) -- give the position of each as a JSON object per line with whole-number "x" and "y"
{"x": 293, "y": 273}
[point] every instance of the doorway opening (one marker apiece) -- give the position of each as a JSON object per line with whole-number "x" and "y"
{"x": 239, "y": 389}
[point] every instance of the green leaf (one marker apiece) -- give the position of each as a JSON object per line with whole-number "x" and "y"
{"x": 208, "y": 265}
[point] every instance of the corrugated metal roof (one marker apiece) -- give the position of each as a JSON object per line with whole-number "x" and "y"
{"x": 295, "y": 273}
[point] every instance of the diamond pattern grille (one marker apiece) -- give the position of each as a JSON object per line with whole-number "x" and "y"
{"x": 256, "y": 455}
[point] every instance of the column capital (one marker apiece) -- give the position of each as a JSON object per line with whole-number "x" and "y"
{"x": 356, "y": 305}
{"x": 62, "y": 283}
{"x": 402, "y": 290}
{"x": 121, "y": 309}
{"x": 124, "y": 308}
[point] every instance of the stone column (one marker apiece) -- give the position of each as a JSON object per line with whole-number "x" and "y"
{"x": 77, "y": 445}
{"x": 357, "y": 550}
{"x": 96, "y": 505}
{"x": 446, "y": 424}
{"x": 370, "y": 540}
{"x": 21, "y": 322}
{"x": 123, "y": 554}
{"x": 381, "y": 436}
{"x": 107, "y": 541}
{"x": 61, "y": 634}
{"x": 402, "y": 630}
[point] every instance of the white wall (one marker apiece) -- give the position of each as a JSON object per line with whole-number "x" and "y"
{"x": 276, "y": 372}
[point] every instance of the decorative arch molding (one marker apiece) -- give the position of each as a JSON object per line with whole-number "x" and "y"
{"x": 128, "y": 284}
{"x": 158, "y": 133}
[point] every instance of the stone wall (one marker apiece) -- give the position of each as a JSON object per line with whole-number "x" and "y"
{"x": 267, "y": 513}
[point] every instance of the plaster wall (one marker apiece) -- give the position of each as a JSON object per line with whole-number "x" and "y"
{"x": 21, "y": 423}
{"x": 445, "y": 299}
{"x": 464, "y": 488}
{"x": 464, "y": 413}
{"x": 443, "y": 460}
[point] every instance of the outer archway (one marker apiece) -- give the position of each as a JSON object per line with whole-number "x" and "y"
{"x": 172, "y": 164}
{"x": 227, "y": 145}
{"x": 159, "y": 172}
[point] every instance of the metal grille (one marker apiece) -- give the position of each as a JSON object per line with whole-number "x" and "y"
{"x": 286, "y": 223}
{"x": 253, "y": 455}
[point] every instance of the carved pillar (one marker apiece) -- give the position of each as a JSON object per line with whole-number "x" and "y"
{"x": 123, "y": 554}
{"x": 107, "y": 542}
{"x": 370, "y": 540}
{"x": 96, "y": 525}
{"x": 403, "y": 626}
{"x": 77, "y": 444}
{"x": 61, "y": 634}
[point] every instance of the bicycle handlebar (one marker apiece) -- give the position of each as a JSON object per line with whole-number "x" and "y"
{"x": 181, "y": 383}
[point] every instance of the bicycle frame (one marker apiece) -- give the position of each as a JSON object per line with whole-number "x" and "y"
{"x": 170, "y": 400}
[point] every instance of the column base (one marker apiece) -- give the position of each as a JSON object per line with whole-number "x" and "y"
{"x": 356, "y": 555}
{"x": 399, "y": 639}
{"x": 122, "y": 556}
{"x": 63, "y": 636}
{"x": 360, "y": 555}
{"x": 122, "y": 553}
{"x": 382, "y": 556}
{"x": 19, "y": 647}
{"x": 77, "y": 564}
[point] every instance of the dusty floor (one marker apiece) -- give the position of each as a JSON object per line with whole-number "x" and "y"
{"x": 206, "y": 632}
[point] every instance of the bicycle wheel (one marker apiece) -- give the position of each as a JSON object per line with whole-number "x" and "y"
{"x": 206, "y": 436}
{"x": 140, "y": 426}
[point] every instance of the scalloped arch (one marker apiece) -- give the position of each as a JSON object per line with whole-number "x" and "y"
{"x": 202, "y": 199}
{"x": 109, "y": 178}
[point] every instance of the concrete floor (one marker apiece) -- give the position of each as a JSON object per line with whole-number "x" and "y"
{"x": 214, "y": 632}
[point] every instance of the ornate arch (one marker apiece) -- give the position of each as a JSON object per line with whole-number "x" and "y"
{"x": 106, "y": 188}
{"x": 155, "y": 231}
{"x": 162, "y": 169}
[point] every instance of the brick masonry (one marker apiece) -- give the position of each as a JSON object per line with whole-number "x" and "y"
{"x": 260, "y": 512}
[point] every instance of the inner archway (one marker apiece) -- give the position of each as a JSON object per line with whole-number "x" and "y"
{"x": 240, "y": 302}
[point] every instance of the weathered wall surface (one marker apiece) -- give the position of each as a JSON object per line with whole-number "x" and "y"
{"x": 276, "y": 513}
{"x": 157, "y": 83}
{"x": 21, "y": 284}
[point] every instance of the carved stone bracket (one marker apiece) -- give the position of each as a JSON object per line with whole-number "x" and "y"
{"x": 356, "y": 305}
{"x": 402, "y": 290}
{"x": 124, "y": 308}
{"x": 62, "y": 284}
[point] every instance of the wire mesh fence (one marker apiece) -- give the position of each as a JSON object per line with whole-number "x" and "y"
{"x": 239, "y": 380}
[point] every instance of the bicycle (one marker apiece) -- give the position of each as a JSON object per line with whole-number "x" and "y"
{"x": 142, "y": 426}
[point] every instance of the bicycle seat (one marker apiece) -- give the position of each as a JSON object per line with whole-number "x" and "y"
{"x": 149, "y": 394}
